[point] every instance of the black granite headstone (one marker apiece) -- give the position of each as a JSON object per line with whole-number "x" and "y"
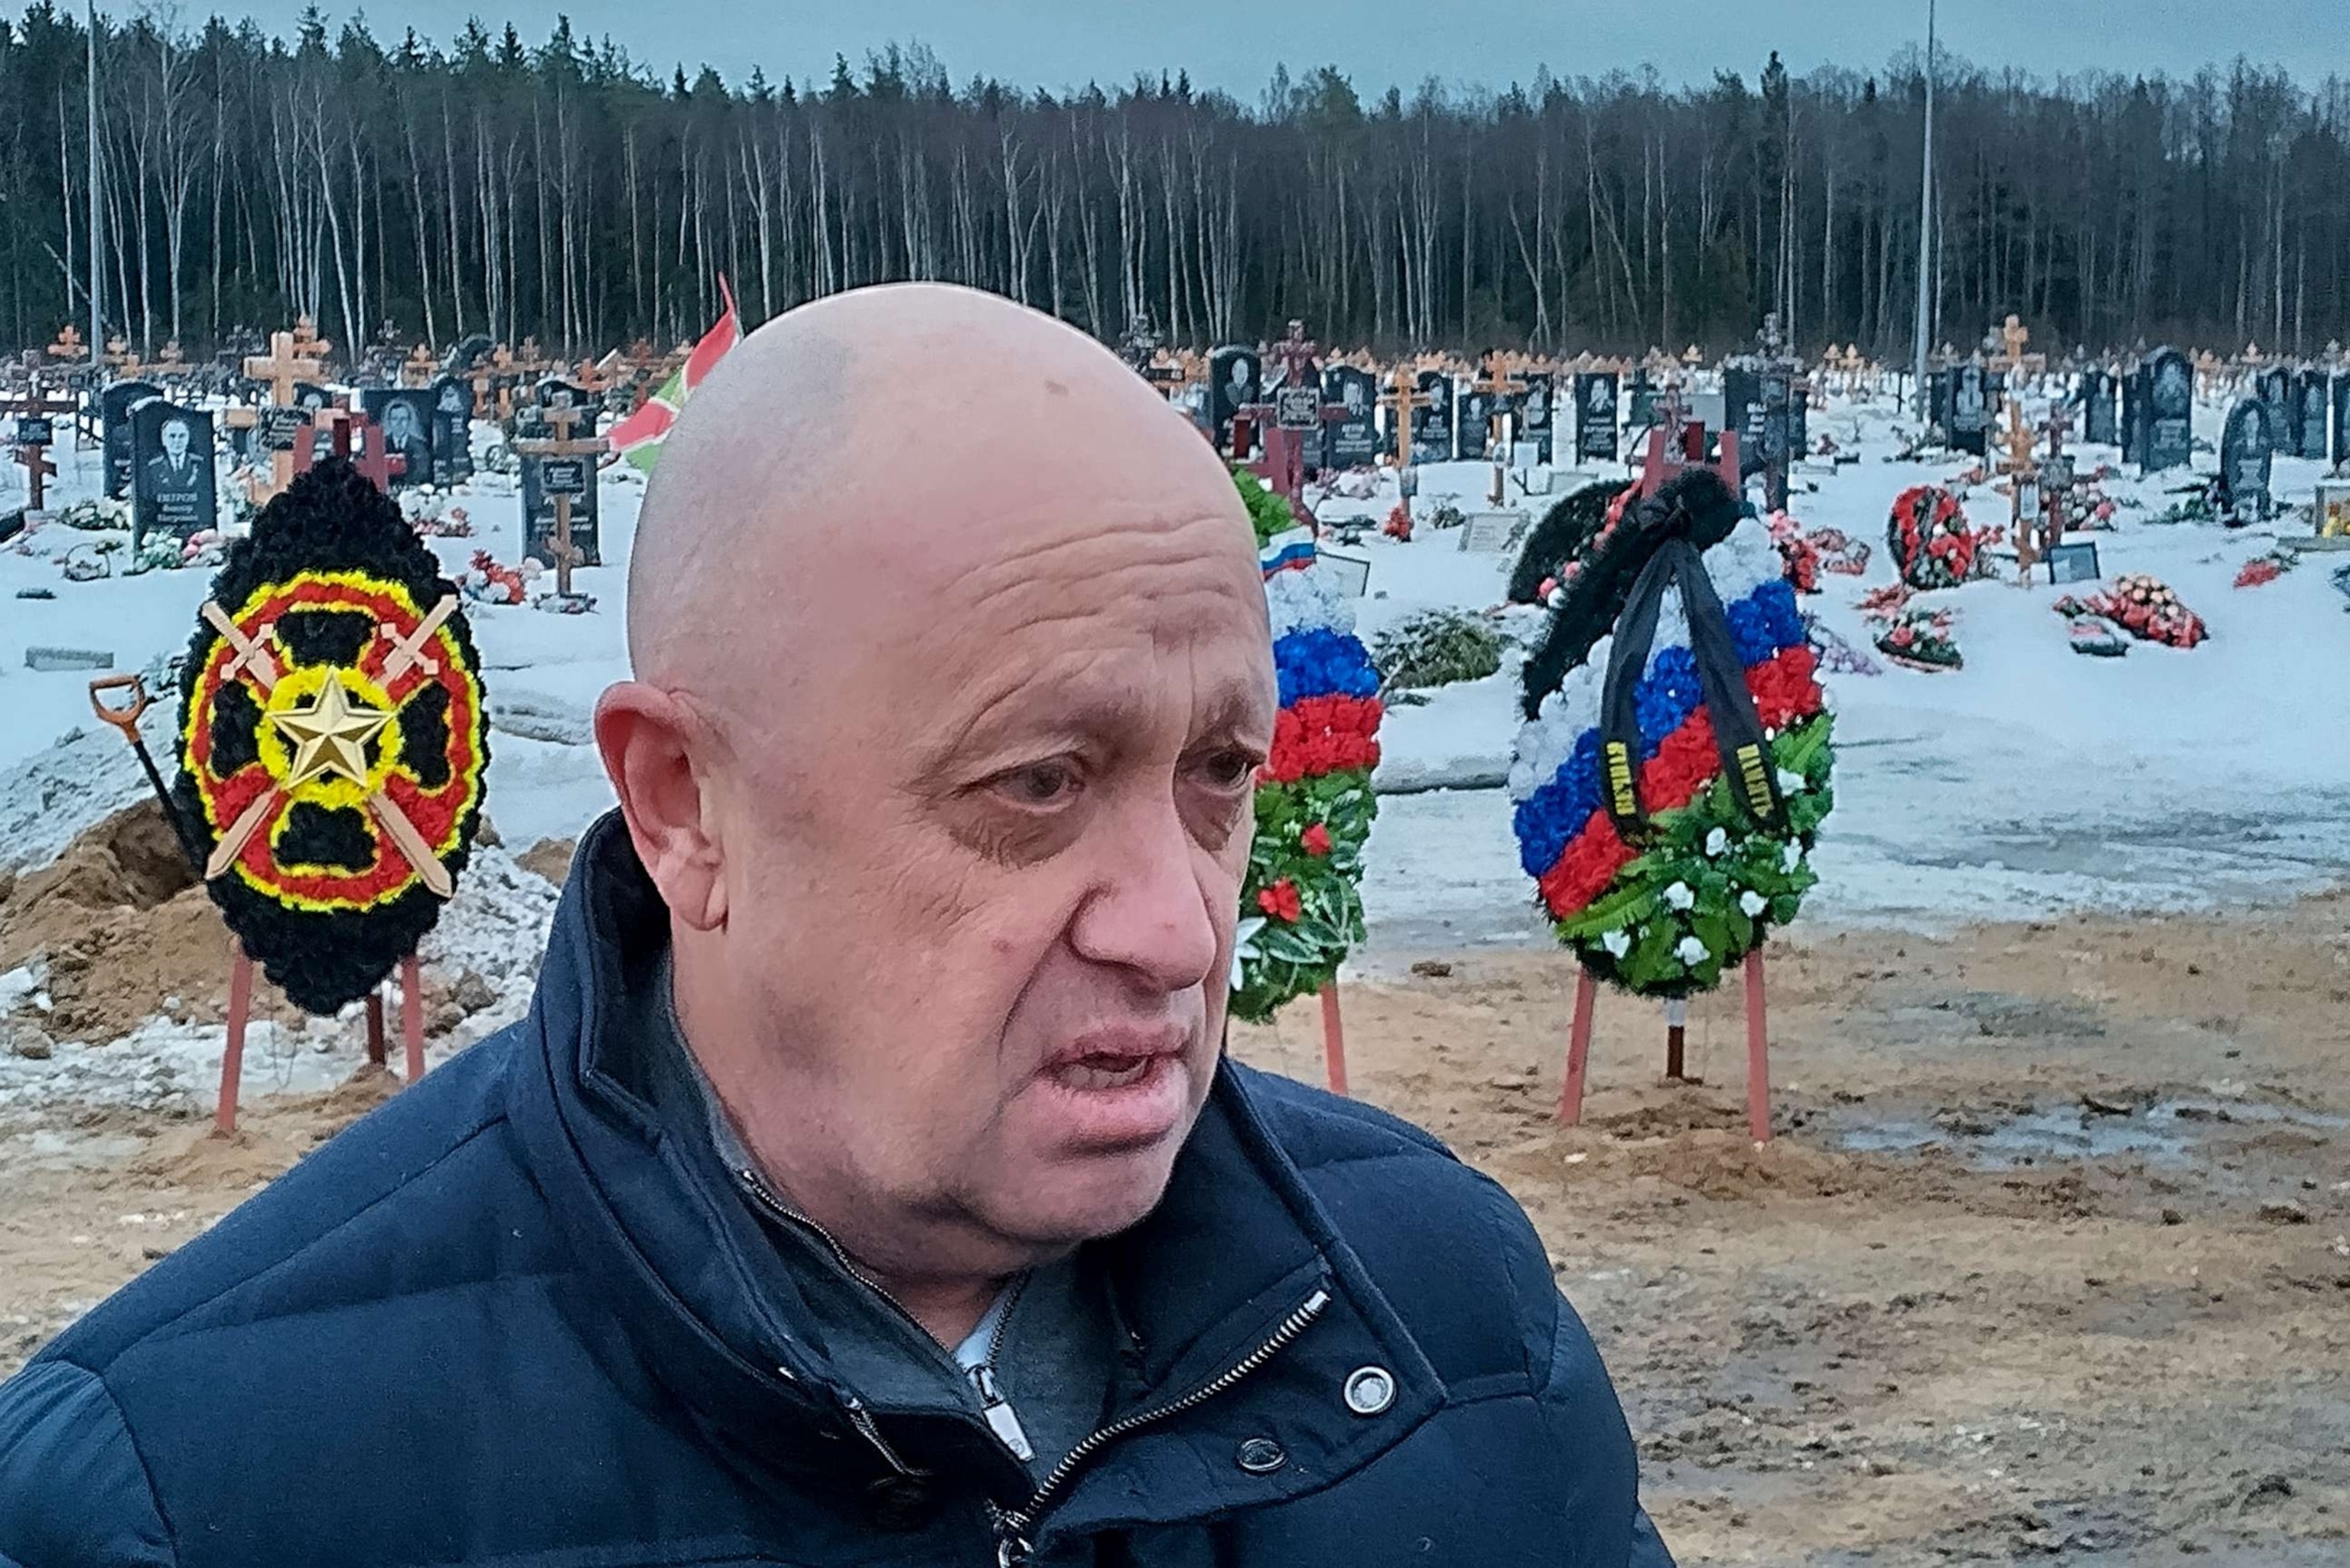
{"x": 1538, "y": 413}
{"x": 1598, "y": 435}
{"x": 453, "y": 430}
{"x": 2134, "y": 415}
{"x": 2340, "y": 419}
{"x": 114, "y": 406}
{"x": 173, "y": 486}
{"x": 2098, "y": 426}
{"x": 404, "y": 419}
{"x": 2275, "y": 388}
{"x": 2310, "y": 391}
{"x": 2247, "y": 454}
{"x": 2169, "y": 410}
{"x": 1432, "y": 420}
{"x": 1970, "y": 402}
{"x": 1476, "y": 425}
{"x": 1741, "y": 390}
{"x": 1235, "y": 381}
{"x": 1351, "y": 441}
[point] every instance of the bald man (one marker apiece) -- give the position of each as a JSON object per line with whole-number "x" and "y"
{"x": 867, "y": 1184}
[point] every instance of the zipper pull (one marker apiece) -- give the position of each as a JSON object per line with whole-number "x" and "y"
{"x": 1002, "y": 1419}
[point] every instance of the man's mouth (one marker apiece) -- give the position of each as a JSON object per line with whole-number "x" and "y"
{"x": 1104, "y": 1070}
{"x": 1120, "y": 1089}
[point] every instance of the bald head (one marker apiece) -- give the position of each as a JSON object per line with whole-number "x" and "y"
{"x": 856, "y": 447}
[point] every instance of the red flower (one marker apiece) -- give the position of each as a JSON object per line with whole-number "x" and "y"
{"x": 1280, "y": 901}
{"x": 1315, "y": 840}
{"x": 1589, "y": 863}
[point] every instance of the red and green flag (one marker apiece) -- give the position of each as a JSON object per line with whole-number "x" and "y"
{"x": 638, "y": 438}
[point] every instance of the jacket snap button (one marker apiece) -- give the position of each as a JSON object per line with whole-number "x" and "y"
{"x": 898, "y": 1503}
{"x": 1261, "y": 1456}
{"x": 1369, "y": 1390}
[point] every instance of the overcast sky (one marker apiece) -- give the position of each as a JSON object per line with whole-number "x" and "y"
{"x": 1234, "y": 44}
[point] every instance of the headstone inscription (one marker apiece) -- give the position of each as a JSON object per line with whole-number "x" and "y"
{"x": 2310, "y": 391}
{"x": 1597, "y": 436}
{"x": 1538, "y": 413}
{"x": 1741, "y": 390}
{"x": 1352, "y": 440}
{"x": 1432, "y": 421}
{"x": 1235, "y": 381}
{"x": 114, "y": 416}
{"x": 2247, "y": 454}
{"x": 2341, "y": 453}
{"x": 2169, "y": 410}
{"x": 173, "y": 487}
{"x": 1971, "y": 400}
{"x": 452, "y": 431}
{"x": 406, "y": 418}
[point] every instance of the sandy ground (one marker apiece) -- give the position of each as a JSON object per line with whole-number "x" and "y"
{"x": 2048, "y": 1258}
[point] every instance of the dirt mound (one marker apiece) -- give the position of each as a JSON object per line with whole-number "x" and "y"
{"x": 550, "y": 858}
{"x": 124, "y": 930}
{"x": 266, "y": 1140}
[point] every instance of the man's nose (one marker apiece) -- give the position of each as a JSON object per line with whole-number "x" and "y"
{"x": 1149, "y": 911}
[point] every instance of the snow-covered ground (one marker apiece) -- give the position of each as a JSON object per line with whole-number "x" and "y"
{"x": 2031, "y": 782}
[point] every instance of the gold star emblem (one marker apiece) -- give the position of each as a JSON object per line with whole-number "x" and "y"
{"x": 331, "y": 735}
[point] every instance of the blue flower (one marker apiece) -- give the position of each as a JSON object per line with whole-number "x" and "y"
{"x": 1549, "y": 819}
{"x": 1321, "y": 662}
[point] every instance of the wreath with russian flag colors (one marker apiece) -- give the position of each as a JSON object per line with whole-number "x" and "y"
{"x": 1300, "y": 910}
{"x": 1673, "y": 769}
{"x": 1933, "y": 545}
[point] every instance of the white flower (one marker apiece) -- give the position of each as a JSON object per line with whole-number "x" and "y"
{"x": 1245, "y": 948}
{"x": 1791, "y": 782}
{"x": 1690, "y": 951}
{"x": 1616, "y": 943}
{"x": 1679, "y": 897}
{"x": 1753, "y": 902}
{"x": 1716, "y": 842}
{"x": 1791, "y": 857}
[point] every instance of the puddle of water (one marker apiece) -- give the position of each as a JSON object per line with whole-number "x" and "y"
{"x": 2166, "y": 1133}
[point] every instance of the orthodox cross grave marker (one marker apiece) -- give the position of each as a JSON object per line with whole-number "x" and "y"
{"x": 559, "y": 473}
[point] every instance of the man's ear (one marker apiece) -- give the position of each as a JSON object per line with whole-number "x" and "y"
{"x": 649, "y": 741}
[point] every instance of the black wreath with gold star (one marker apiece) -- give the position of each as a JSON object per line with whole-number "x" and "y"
{"x": 333, "y": 738}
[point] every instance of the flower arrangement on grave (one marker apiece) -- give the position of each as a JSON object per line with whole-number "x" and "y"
{"x": 1437, "y": 648}
{"x": 1933, "y": 545}
{"x": 95, "y": 514}
{"x": 1398, "y": 524}
{"x": 1837, "y": 655}
{"x": 333, "y": 738}
{"x": 1918, "y": 638}
{"x": 1839, "y": 553}
{"x": 488, "y": 581}
{"x": 1447, "y": 515}
{"x": 2261, "y": 570}
{"x": 1673, "y": 769}
{"x": 170, "y": 552}
{"x": 2198, "y": 502}
{"x": 2143, "y": 605}
{"x": 1300, "y": 910}
{"x": 1559, "y": 542}
{"x": 1801, "y": 557}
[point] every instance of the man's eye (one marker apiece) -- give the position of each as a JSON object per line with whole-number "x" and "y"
{"x": 1231, "y": 769}
{"x": 1042, "y": 784}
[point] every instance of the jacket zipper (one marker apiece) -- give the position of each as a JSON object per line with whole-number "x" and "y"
{"x": 1014, "y": 1527}
{"x": 1002, "y": 1419}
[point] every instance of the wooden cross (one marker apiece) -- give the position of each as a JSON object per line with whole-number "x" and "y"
{"x": 2019, "y": 467}
{"x": 37, "y": 468}
{"x": 1404, "y": 398}
{"x": 1498, "y": 384}
{"x": 2012, "y": 360}
{"x": 171, "y": 362}
{"x": 121, "y": 359}
{"x": 417, "y": 369}
{"x": 590, "y": 378}
{"x": 1298, "y": 356}
{"x": 280, "y": 367}
{"x": 559, "y": 547}
{"x": 69, "y": 345}
{"x": 308, "y": 343}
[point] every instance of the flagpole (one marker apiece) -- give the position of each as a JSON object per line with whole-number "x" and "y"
{"x": 97, "y": 273}
{"x": 1926, "y": 220}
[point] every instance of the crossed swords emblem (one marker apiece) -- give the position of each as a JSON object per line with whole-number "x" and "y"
{"x": 331, "y": 734}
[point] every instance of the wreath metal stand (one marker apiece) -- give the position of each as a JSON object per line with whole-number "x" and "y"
{"x": 1676, "y": 443}
{"x": 1334, "y": 1040}
{"x": 1758, "y": 1051}
{"x": 240, "y": 1013}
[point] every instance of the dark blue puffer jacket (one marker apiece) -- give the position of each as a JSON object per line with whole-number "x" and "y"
{"x": 519, "y": 1316}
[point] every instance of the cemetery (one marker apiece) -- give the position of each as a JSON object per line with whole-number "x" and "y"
{"x": 1500, "y": 882}
{"x": 1858, "y": 846}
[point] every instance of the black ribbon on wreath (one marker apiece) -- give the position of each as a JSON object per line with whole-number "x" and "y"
{"x": 1746, "y": 759}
